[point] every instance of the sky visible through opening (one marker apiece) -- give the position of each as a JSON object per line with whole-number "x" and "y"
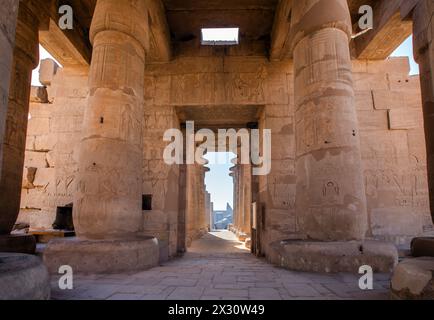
{"x": 406, "y": 50}
{"x": 220, "y": 35}
{"x": 43, "y": 54}
{"x": 218, "y": 181}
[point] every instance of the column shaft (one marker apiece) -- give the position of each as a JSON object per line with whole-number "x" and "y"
{"x": 191, "y": 204}
{"x": 423, "y": 29}
{"x": 8, "y": 18}
{"x": 25, "y": 59}
{"x": 330, "y": 199}
{"x": 247, "y": 199}
{"x": 107, "y": 203}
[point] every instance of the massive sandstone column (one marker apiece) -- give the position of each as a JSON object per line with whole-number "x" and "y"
{"x": 423, "y": 29}
{"x": 330, "y": 193}
{"x": 8, "y": 22}
{"x": 107, "y": 204}
{"x": 330, "y": 200}
{"x": 25, "y": 59}
{"x": 108, "y": 200}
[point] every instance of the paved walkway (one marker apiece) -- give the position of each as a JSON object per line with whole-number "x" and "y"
{"x": 218, "y": 267}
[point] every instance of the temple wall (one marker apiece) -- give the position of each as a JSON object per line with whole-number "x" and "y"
{"x": 389, "y": 111}
{"x": 393, "y": 149}
{"x": 52, "y": 145}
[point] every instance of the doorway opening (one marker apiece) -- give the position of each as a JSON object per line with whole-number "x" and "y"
{"x": 220, "y": 185}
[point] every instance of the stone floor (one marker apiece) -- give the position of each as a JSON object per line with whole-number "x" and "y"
{"x": 218, "y": 267}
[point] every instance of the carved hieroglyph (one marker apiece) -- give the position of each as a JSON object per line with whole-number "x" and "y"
{"x": 330, "y": 197}
{"x": 107, "y": 202}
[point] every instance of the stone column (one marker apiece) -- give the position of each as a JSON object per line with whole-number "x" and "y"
{"x": 201, "y": 200}
{"x": 8, "y": 22}
{"x": 238, "y": 198}
{"x": 247, "y": 200}
{"x": 424, "y": 55}
{"x": 330, "y": 193}
{"x": 107, "y": 203}
{"x": 191, "y": 205}
{"x": 233, "y": 174}
{"x": 25, "y": 59}
{"x": 330, "y": 200}
{"x": 108, "y": 200}
{"x": 207, "y": 199}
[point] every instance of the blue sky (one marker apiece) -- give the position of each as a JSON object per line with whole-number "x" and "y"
{"x": 218, "y": 181}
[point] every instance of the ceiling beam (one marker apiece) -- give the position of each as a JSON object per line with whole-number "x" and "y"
{"x": 160, "y": 40}
{"x": 280, "y": 33}
{"x": 388, "y": 33}
{"x": 69, "y": 47}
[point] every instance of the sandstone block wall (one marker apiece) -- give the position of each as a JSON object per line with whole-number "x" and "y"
{"x": 55, "y": 125}
{"x": 393, "y": 149}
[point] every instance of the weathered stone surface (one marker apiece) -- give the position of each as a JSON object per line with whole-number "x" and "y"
{"x": 330, "y": 198}
{"x": 107, "y": 202}
{"x": 23, "y": 277}
{"x": 8, "y": 18}
{"x": 413, "y": 280}
{"x": 102, "y": 256}
{"x": 25, "y": 58}
{"x": 424, "y": 55}
{"x": 224, "y": 87}
{"x": 333, "y": 257}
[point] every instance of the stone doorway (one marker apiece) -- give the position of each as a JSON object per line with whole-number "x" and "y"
{"x": 234, "y": 213}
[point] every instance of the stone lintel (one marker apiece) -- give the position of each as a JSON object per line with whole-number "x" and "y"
{"x": 69, "y": 48}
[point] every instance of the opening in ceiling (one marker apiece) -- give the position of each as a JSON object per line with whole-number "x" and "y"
{"x": 220, "y": 36}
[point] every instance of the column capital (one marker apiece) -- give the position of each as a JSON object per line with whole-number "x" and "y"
{"x": 127, "y": 16}
{"x": 309, "y": 16}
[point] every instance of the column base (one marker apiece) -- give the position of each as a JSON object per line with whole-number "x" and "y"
{"x": 23, "y": 277}
{"x": 102, "y": 256}
{"x": 25, "y": 244}
{"x": 413, "y": 279}
{"x": 334, "y": 257}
